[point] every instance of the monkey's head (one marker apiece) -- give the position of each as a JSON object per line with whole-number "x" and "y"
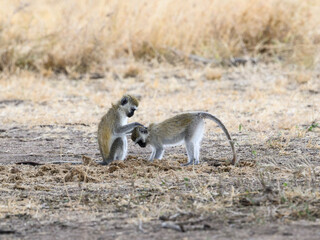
{"x": 139, "y": 135}
{"x": 128, "y": 104}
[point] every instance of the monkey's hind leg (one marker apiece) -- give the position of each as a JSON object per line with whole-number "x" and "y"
{"x": 104, "y": 159}
{"x": 116, "y": 152}
{"x": 193, "y": 142}
{"x": 197, "y": 153}
{"x": 191, "y": 153}
{"x": 122, "y": 149}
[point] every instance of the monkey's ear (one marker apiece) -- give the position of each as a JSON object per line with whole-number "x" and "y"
{"x": 138, "y": 97}
{"x": 124, "y": 101}
{"x": 144, "y": 130}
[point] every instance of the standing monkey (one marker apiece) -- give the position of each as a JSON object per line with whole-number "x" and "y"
{"x": 184, "y": 128}
{"x": 113, "y": 128}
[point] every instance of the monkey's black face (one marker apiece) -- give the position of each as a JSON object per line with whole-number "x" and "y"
{"x": 142, "y": 144}
{"x": 131, "y": 113}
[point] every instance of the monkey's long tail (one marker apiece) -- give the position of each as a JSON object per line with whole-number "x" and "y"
{"x": 216, "y": 120}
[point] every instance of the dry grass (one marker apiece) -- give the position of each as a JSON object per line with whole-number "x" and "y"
{"x": 159, "y": 190}
{"x": 213, "y": 73}
{"x": 80, "y": 36}
{"x": 259, "y": 98}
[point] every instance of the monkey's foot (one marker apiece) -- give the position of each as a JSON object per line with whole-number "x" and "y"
{"x": 103, "y": 163}
{"x": 189, "y": 163}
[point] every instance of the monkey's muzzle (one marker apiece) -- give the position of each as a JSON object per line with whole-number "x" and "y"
{"x": 131, "y": 113}
{"x": 142, "y": 144}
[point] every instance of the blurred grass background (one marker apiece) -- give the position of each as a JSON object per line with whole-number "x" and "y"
{"x": 81, "y": 35}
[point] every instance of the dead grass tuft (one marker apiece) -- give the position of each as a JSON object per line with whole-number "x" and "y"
{"x": 79, "y": 174}
{"x": 14, "y": 170}
{"x": 302, "y": 77}
{"x": 132, "y": 72}
{"x": 213, "y": 73}
{"x": 46, "y": 168}
{"x": 112, "y": 169}
{"x": 3, "y": 169}
{"x": 14, "y": 178}
{"x": 87, "y": 161}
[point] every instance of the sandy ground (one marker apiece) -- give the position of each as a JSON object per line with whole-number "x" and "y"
{"x": 273, "y": 193}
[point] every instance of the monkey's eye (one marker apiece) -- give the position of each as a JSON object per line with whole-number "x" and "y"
{"x": 124, "y": 101}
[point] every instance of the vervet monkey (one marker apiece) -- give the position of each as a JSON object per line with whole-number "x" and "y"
{"x": 184, "y": 128}
{"x": 112, "y": 131}
{"x": 113, "y": 128}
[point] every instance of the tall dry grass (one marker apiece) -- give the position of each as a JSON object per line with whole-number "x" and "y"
{"x": 81, "y": 35}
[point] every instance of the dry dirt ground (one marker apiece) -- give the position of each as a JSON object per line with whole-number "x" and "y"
{"x": 272, "y": 112}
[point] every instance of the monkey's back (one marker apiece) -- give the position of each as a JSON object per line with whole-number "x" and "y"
{"x": 105, "y": 132}
{"x": 171, "y": 129}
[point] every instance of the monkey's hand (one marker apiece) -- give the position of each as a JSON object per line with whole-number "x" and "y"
{"x": 128, "y": 128}
{"x": 137, "y": 125}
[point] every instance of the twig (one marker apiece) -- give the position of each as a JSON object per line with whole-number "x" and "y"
{"x": 140, "y": 226}
{"x": 193, "y": 57}
{"x": 29, "y": 163}
{"x": 173, "y": 226}
{"x": 7, "y": 231}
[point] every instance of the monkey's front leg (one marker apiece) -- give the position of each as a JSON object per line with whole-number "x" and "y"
{"x": 127, "y": 128}
{"x": 159, "y": 153}
{"x": 153, "y": 153}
